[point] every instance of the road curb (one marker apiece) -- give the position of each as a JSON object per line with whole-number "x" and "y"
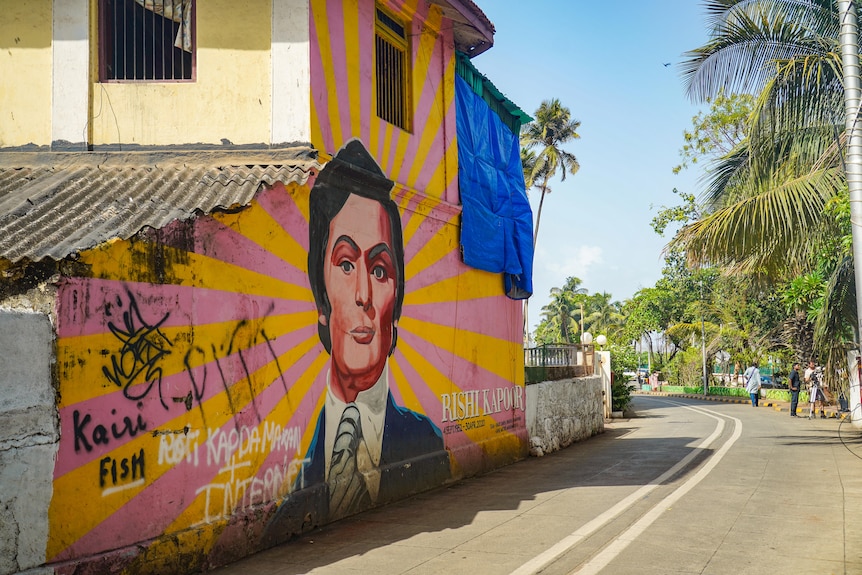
{"x": 780, "y": 406}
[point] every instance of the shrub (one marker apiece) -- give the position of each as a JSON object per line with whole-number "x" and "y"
{"x": 621, "y": 396}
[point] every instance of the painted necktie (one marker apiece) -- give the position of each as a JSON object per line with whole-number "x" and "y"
{"x": 348, "y": 493}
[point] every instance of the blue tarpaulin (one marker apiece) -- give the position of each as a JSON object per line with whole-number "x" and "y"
{"x": 496, "y": 222}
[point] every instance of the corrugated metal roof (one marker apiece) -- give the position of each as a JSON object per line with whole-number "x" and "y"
{"x": 472, "y": 31}
{"x": 55, "y": 204}
{"x": 513, "y": 116}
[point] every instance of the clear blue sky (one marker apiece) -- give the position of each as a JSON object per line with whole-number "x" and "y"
{"x": 605, "y": 62}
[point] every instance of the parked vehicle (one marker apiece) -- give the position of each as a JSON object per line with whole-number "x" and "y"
{"x": 768, "y": 382}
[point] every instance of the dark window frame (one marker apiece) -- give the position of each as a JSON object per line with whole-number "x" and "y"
{"x": 393, "y": 70}
{"x": 148, "y": 63}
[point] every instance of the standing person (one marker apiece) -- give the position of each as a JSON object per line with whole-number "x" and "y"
{"x": 815, "y": 392}
{"x": 752, "y": 383}
{"x": 794, "y": 389}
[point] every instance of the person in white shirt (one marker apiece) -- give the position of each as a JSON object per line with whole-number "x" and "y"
{"x": 752, "y": 383}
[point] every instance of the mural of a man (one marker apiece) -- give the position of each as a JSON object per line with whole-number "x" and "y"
{"x": 356, "y": 271}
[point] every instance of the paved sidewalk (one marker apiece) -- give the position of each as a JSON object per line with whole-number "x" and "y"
{"x": 802, "y": 409}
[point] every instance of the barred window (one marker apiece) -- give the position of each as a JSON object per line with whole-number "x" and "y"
{"x": 393, "y": 70}
{"x": 146, "y": 40}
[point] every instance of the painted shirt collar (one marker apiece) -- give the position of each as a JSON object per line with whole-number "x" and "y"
{"x": 372, "y": 409}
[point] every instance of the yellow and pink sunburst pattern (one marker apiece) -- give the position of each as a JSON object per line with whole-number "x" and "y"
{"x": 343, "y": 91}
{"x": 191, "y": 375}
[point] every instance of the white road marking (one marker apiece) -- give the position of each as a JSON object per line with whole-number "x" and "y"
{"x": 609, "y": 553}
{"x": 543, "y": 559}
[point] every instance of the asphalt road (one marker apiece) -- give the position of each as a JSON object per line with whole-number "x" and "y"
{"x": 685, "y": 487}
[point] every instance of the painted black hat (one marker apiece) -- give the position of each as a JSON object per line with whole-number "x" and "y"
{"x": 353, "y": 170}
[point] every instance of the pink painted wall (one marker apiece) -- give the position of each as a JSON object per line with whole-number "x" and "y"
{"x": 190, "y": 388}
{"x": 342, "y": 92}
{"x": 191, "y": 371}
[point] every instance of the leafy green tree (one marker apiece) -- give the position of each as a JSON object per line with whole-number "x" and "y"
{"x": 687, "y": 212}
{"x": 768, "y": 212}
{"x": 646, "y": 315}
{"x": 718, "y": 131}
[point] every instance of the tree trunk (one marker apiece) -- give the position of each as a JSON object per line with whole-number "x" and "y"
{"x": 539, "y": 216}
{"x": 535, "y": 237}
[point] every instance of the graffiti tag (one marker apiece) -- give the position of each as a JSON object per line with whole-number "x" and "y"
{"x": 233, "y": 494}
{"x": 144, "y": 345}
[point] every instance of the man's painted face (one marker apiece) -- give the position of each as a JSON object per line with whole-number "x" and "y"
{"x": 360, "y": 278}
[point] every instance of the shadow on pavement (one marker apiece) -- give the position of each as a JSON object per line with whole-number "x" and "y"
{"x": 614, "y": 461}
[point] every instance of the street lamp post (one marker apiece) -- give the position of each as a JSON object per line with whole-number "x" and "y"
{"x": 703, "y": 341}
{"x": 586, "y": 340}
{"x": 849, "y": 43}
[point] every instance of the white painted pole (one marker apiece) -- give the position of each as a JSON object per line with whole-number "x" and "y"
{"x": 849, "y": 40}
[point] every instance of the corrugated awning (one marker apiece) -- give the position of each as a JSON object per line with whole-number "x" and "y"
{"x": 56, "y": 204}
{"x": 472, "y": 31}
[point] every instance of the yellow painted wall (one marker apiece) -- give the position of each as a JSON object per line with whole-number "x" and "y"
{"x": 230, "y": 99}
{"x": 25, "y": 72}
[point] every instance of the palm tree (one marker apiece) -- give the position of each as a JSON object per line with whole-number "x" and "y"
{"x": 562, "y": 315}
{"x": 603, "y": 316}
{"x": 765, "y": 199}
{"x": 767, "y": 203}
{"x": 544, "y": 137}
{"x": 541, "y": 156}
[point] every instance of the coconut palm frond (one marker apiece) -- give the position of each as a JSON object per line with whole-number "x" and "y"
{"x": 760, "y": 233}
{"x": 833, "y": 331}
{"x": 749, "y": 36}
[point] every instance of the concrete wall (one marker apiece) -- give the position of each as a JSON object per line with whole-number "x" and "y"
{"x": 231, "y": 98}
{"x": 251, "y": 86}
{"x": 562, "y": 412}
{"x": 28, "y": 437}
{"x": 70, "y": 69}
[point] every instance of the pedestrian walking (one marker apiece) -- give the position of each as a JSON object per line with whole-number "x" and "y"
{"x": 752, "y": 383}
{"x": 794, "y": 389}
{"x": 815, "y": 391}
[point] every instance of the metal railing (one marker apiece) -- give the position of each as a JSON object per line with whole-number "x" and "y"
{"x": 559, "y": 361}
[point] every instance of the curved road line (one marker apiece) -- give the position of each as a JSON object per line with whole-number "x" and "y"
{"x": 609, "y": 553}
{"x": 543, "y": 559}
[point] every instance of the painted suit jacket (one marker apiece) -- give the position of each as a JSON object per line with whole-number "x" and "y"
{"x": 412, "y": 459}
{"x": 408, "y": 437}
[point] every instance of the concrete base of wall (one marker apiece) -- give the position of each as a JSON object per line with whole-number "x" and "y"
{"x": 28, "y": 438}
{"x": 562, "y": 412}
